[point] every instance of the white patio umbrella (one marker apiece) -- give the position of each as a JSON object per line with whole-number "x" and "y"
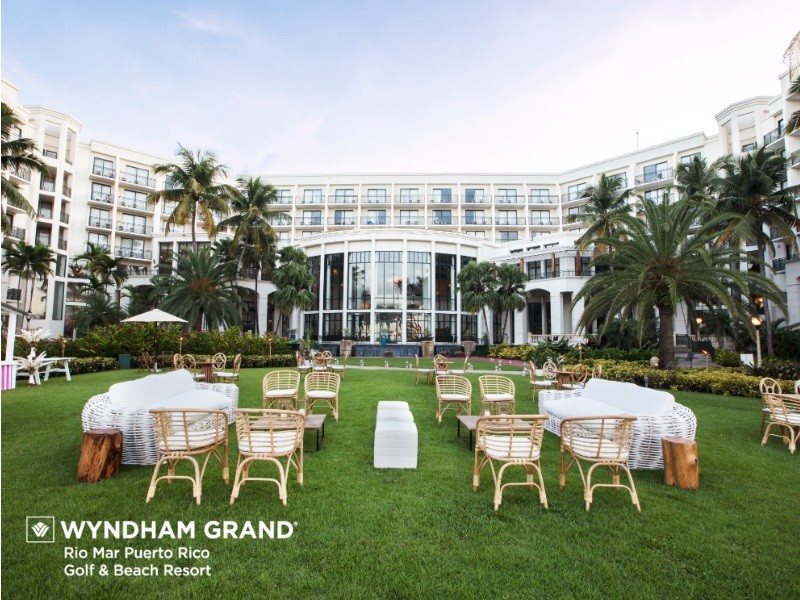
{"x": 155, "y": 317}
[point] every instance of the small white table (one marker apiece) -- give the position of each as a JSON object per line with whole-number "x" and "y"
{"x": 50, "y": 366}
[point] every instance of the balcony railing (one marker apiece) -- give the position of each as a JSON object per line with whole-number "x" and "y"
{"x": 342, "y": 199}
{"x": 794, "y": 159}
{"x": 99, "y": 222}
{"x": 484, "y": 199}
{"x": 43, "y": 240}
{"x": 653, "y": 176}
{"x": 47, "y": 185}
{"x": 774, "y": 135}
{"x": 134, "y": 203}
{"x": 62, "y": 244}
{"x": 778, "y": 264}
{"x": 124, "y": 252}
{"x": 510, "y": 221}
{"x": 287, "y": 222}
{"x": 509, "y": 199}
{"x": 408, "y": 221}
{"x": 22, "y": 172}
{"x": 749, "y": 147}
{"x": 407, "y": 200}
{"x": 443, "y": 199}
{"x": 311, "y": 200}
{"x": 17, "y": 233}
{"x": 534, "y": 275}
{"x": 477, "y": 220}
{"x": 64, "y": 217}
{"x": 102, "y": 171}
{"x": 102, "y": 197}
{"x": 134, "y": 228}
{"x": 67, "y": 191}
{"x": 168, "y": 208}
{"x": 350, "y": 220}
{"x": 543, "y": 221}
{"x": 376, "y": 199}
{"x": 543, "y": 199}
{"x": 101, "y": 245}
{"x": 45, "y": 213}
{"x": 375, "y": 220}
{"x": 50, "y": 151}
{"x": 135, "y": 270}
{"x": 309, "y": 221}
{"x": 283, "y": 200}
{"x": 443, "y": 220}
{"x": 573, "y": 195}
{"x": 135, "y": 178}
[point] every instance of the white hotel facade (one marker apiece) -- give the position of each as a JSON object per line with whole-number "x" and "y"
{"x": 385, "y": 247}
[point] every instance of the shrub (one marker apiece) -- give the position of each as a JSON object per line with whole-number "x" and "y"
{"x": 777, "y": 369}
{"x": 94, "y": 364}
{"x": 248, "y": 361}
{"x": 541, "y": 352}
{"x": 727, "y": 358}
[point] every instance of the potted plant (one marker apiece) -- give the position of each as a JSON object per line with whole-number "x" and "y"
{"x": 427, "y": 343}
{"x": 346, "y": 344}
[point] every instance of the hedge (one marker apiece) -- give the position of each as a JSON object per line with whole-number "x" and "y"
{"x": 544, "y": 350}
{"x": 248, "y": 361}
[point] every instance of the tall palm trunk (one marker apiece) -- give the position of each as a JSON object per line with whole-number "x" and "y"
{"x": 30, "y": 296}
{"x": 194, "y": 221}
{"x": 666, "y": 338}
{"x": 762, "y": 267}
{"x": 255, "y": 284}
{"x": 487, "y": 331}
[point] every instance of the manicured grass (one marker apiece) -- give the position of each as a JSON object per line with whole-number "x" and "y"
{"x": 424, "y": 533}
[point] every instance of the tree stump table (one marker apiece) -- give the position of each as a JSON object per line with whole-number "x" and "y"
{"x": 101, "y": 454}
{"x": 681, "y": 467}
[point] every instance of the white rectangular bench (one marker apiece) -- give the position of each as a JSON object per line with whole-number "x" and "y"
{"x": 395, "y": 437}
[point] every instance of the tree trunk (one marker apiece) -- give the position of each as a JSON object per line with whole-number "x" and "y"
{"x": 194, "y": 220}
{"x": 762, "y": 267}
{"x": 487, "y": 331}
{"x": 666, "y": 339}
{"x": 681, "y": 467}
{"x": 30, "y": 296}
{"x": 101, "y": 455}
{"x": 255, "y": 284}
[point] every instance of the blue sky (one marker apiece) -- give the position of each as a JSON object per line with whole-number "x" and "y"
{"x": 294, "y": 87}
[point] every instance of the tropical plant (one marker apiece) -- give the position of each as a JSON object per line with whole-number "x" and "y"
{"x": 662, "y": 262}
{"x": 793, "y": 123}
{"x": 509, "y": 295}
{"x": 141, "y": 298}
{"x": 477, "y": 282}
{"x": 17, "y": 153}
{"x": 756, "y": 206}
{"x": 29, "y": 262}
{"x": 293, "y": 280}
{"x": 97, "y": 310}
{"x": 251, "y": 229}
{"x": 195, "y": 190}
{"x": 200, "y": 290}
{"x": 698, "y": 181}
{"x": 607, "y": 203}
{"x": 103, "y": 269}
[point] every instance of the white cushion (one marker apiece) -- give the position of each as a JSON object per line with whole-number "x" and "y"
{"x": 196, "y": 439}
{"x": 395, "y": 415}
{"x": 499, "y": 397}
{"x": 275, "y": 442}
{"x": 629, "y": 397}
{"x": 392, "y": 405}
{"x": 281, "y": 393}
{"x": 455, "y": 398}
{"x": 195, "y": 398}
{"x": 587, "y": 448}
{"x": 497, "y": 447}
{"x": 320, "y": 394}
{"x": 577, "y": 407}
{"x": 141, "y": 393}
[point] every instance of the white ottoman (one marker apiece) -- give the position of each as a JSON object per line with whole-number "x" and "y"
{"x": 392, "y": 405}
{"x": 395, "y": 440}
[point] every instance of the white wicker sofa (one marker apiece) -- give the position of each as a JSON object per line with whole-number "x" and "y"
{"x": 658, "y": 414}
{"x": 126, "y": 406}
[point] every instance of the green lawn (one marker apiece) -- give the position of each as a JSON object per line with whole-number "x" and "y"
{"x": 416, "y": 534}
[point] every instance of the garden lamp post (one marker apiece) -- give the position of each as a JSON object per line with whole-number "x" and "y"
{"x": 699, "y": 321}
{"x": 269, "y": 343}
{"x": 757, "y": 321}
{"x": 180, "y": 344}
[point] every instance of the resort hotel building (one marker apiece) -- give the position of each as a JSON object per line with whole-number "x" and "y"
{"x": 385, "y": 248}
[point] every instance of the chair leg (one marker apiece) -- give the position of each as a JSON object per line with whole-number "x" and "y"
{"x": 151, "y": 491}
{"x": 476, "y": 472}
{"x": 587, "y": 487}
{"x": 634, "y": 495}
{"x": 765, "y": 439}
{"x": 197, "y": 483}
{"x": 542, "y": 493}
{"x": 237, "y": 479}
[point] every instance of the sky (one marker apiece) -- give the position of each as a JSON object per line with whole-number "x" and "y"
{"x": 279, "y": 86}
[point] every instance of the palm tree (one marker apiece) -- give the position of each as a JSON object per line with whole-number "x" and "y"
{"x": 103, "y": 269}
{"x": 698, "y": 181}
{"x": 141, "y": 299}
{"x": 252, "y": 231}
{"x": 607, "y": 203}
{"x": 29, "y": 262}
{"x": 16, "y": 153}
{"x": 195, "y": 190}
{"x": 659, "y": 264}
{"x": 293, "y": 280}
{"x": 97, "y": 310}
{"x": 794, "y": 120}
{"x": 751, "y": 196}
{"x": 477, "y": 283}
{"x": 199, "y": 290}
{"x": 510, "y": 292}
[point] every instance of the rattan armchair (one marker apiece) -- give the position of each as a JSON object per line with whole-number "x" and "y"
{"x": 269, "y": 436}
{"x": 421, "y": 371}
{"x": 579, "y": 376}
{"x": 441, "y": 366}
{"x": 767, "y": 385}
{"x": 183, "y": 434}
{"x": 453, "y": 391}
{"x": 280, "y": 389}
{"x": 218, "y": 361}
{"x": 191, "y": 365}
{"x": 784, "y": 413}
{"x": 597, "y": 371}
{"x": 536, "y": 384}
{"x": 178, "y": 362}
{"x": 550, "y": 369}
{"x": 303, "y": 365}
{"x": 147, "y": 363}
{"x": 463, "y": 370}
{"x": 509, "y": 442}
{"x": 322, "y": 387}
{"x": 498, "y": 394}
{"x": 339, "y": 368}
{"x": 601, "y": 441}
{"x": 231, "y": 376}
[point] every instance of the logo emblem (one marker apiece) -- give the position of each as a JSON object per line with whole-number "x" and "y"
{"x": 40, "y": 530}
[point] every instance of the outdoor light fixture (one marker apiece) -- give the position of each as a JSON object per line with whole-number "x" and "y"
{"x": 759, "y": 301}
{"x": 699, "y": 321}
{"x": 28, "y": 317}
{"x": 757, "y": 321}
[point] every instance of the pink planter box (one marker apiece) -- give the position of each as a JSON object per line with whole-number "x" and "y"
{"x": 8, "y": 375}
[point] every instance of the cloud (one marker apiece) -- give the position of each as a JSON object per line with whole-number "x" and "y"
{"x": 203, "y": 24}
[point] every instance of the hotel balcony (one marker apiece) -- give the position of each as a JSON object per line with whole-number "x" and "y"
{"x": 447, "y": 200}
{"x": 135, "y": 229}
{"x": 408, "y": 200}
{"x": 308, "y": 221}
{"x": 101, "y": 198}
{"x": 543, "y": 222}
{"x": 778, "y": 264}
{"x": 552, "y": 200}
{"x": 575, "y": 196}
{"x": 510, "y": 221}
{"x": 378, "y": 220}
{"x": 99, "y": 245}
{"x": 376, "y": 200}
{"x": 64, "y": 217}
{"x": 280, "y": 223}
{"x": 538, "y": 274}
{"x": 66, "y": 191}
{"x": 622, "y": 178}
{"x": 133, "y": 204}
{"x": 311, "y": 201}
{"x": 793, "y": 162}
{"x": 103, "y": 173}
{"x": 49, "y": 151}
{"x": 132, "y": 253}
{"x": 62, "y": 244}
{"x": 99, "y": 223}
{"x": 341, "y": 221}
{"x": 483, "y": 199}
{"x": 517, "y": 200}
{"x": 339, "y": 200}
{"x": 137, "y": 270}
{"x": 656, "y": 178}
{"x": 18, "y": 233}
{"x": 408, "y": 221}
{"x": 45, "y": 213}
{"x": 283, "y": 201}
{"x": 774, "y": 136}
{"x": 20, "y": 175}
{"x": 48, "y": 186}
{"x": 478, "y": 221}
{"x": 443, "y": 221}
{"x": 133, "y": 179}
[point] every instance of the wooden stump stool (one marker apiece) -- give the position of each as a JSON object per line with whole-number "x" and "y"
{"x": 681, "y": 468}
{"x": 101, "y": 454}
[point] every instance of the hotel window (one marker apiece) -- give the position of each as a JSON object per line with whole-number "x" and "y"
{"x": 418, "y": 284}
{"x": 98, "y": 239}
{"x": 359, "y": 325}
{"x": 165, "y": 258}
{"x": 311, "y": 325}
{"x": 344, "y": 196}
{"x": 685, "y": 160}
{"x": 469, "y": 327}
{"x": 477, "y": 234}
{"x": 343, "y": 217}
{"x": 334, "y": 281}
{"x": 103, "y": 167}
{"x": 99, "y": 217}
{"x": 360, "y": 267}
{"x": 312, "y": 196}
{"x": 474, "y": 217}
{"x": 135, "y": 199}
{"x": 409, "y": 217}
{"x": 575, "y": 191}
{"x": 574, "y": 211}
{"x": 131, "y": 247}
{"x": 331, "y": 326}
{"x": 658, "y": 195}
{"x": 442, "y": 195}
{"x": 442, "y": 217}
{"x": 506, "y": 195}
{"x": 508, "y": 236}
{"x": 312, "y": 217}
{"x": 390, "y": 325}
{"x": 417, "y": 324}
{"x": 100, "y": 192}
{"x": 376, "y": 196}
{"x": 445, "y": 328}
{"x": 313, "y": 266}
{"x": 540, "y": 217}
{"x": 61, "y": 265}
{"x": 283, "y": 196}
{"x": 506, "y": 217}
{"x": 409, "y": 195}
{"x": 389, "y": 280}
{"x": 445, "y": 282}
{"x": 376, "y": 217}
{"x": 133, "y": 224}
{"x": 474, "y": 195}
{"x": 539, "y": 196}
{"x": 58, "y": 301}
{"x": 137, "y": 175}
{"x": 654, "y": 172}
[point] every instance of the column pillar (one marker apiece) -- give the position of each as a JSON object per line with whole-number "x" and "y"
{"x": 556, "y": 314}
{"x": 736, "y": 140}
{"x": 520, "y": 326}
